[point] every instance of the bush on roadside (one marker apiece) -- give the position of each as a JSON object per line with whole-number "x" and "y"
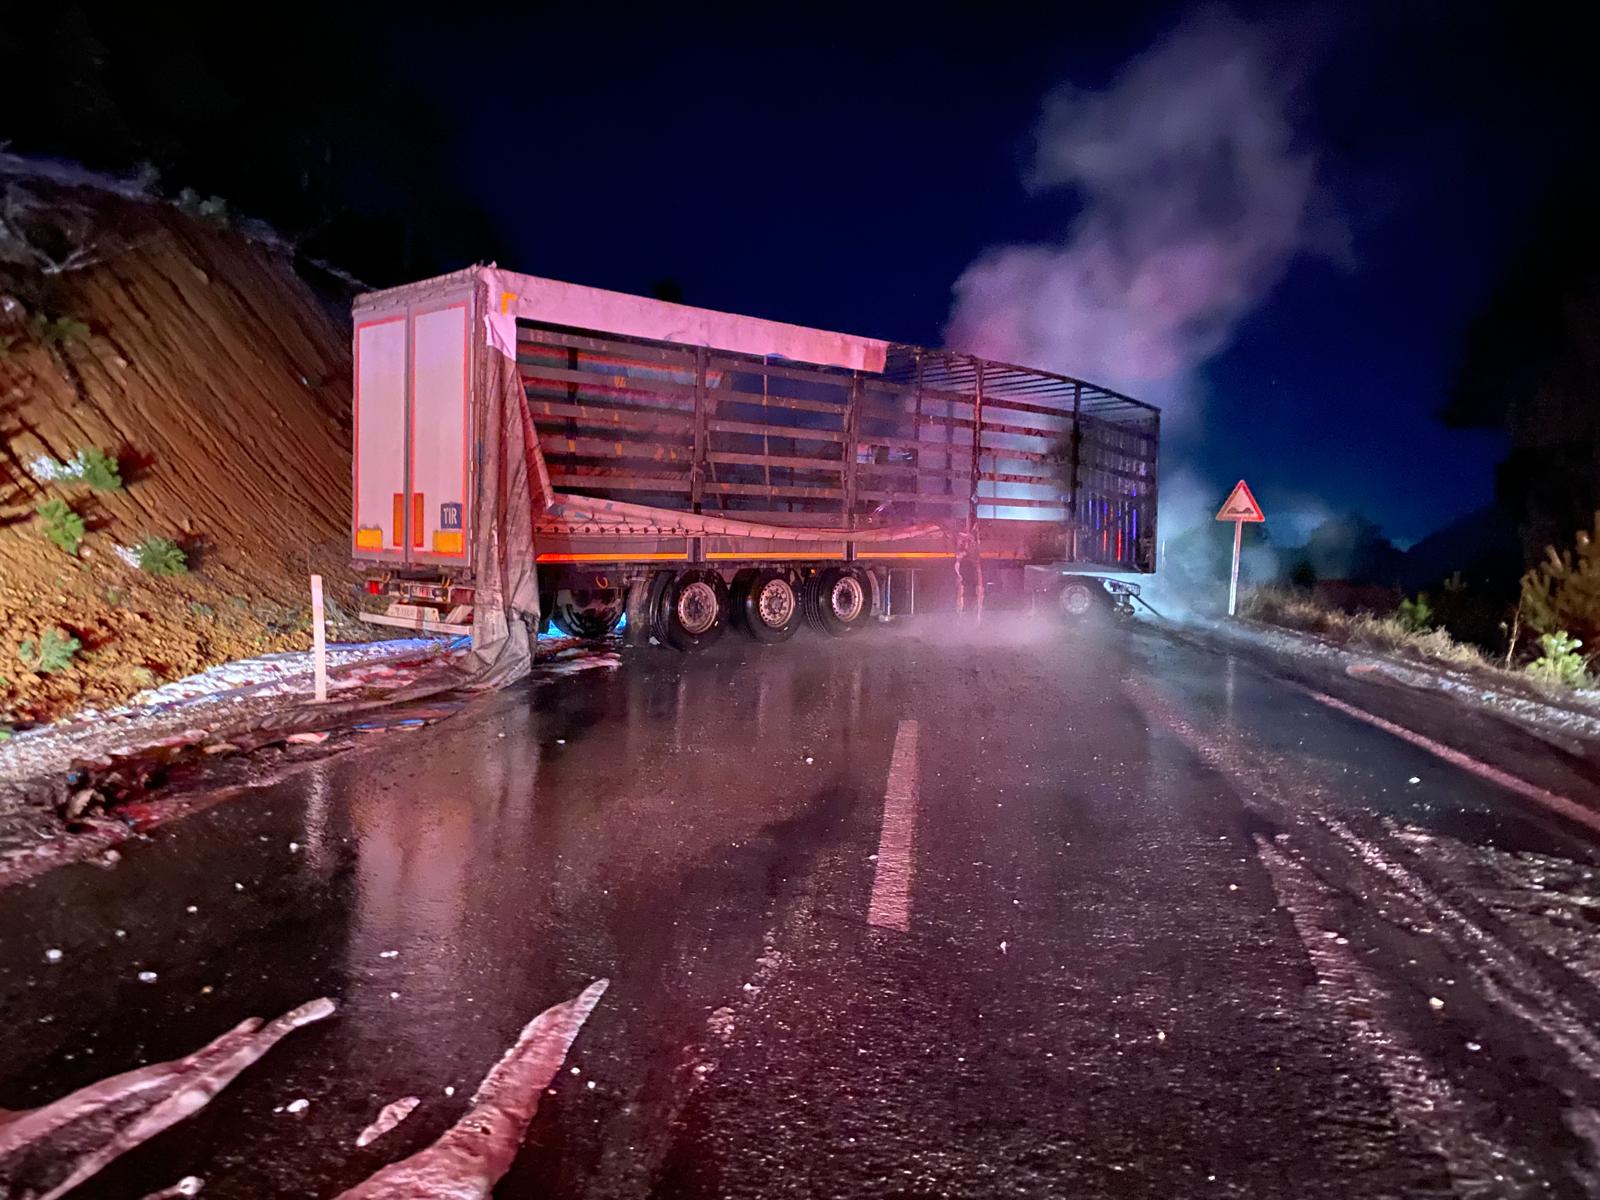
{"x": 1559, "y": 664}
{"x": 1416, "y": 616}
{"x": 1295, "y": 609}
{"x": 1562, "y": 594}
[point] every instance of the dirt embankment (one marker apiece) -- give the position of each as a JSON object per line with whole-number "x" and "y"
{"x": 217, "y": 381}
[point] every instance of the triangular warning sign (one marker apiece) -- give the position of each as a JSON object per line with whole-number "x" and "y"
{"x": 1241, "y": 506}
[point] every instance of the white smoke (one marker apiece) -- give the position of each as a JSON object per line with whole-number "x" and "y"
{"x": 1194, "y": 196}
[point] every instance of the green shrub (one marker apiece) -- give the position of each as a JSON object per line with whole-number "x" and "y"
{"x": 93, "y": 466}
{"x": 99, "y": 470}
{"x": 51, "y": 653}
{"x": 1560, "y": 664}
{"x": 1562, "y": 594}
{"x": 1416, "y": 616}
{"x": 158, "y": 555}
{"x": 61, "y": 525}
{"x": 58, "y": 330}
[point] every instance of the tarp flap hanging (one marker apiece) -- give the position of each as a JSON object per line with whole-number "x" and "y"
{"x": 513, "y": 486}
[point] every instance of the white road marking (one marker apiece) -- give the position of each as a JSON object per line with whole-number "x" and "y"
{"x": 1528, "y": 791}
{"x": 890, "y": 907}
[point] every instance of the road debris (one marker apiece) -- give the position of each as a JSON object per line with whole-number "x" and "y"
{"x": 469, "y": 1159}
{"x": 392, "y": 1114}
{"x": 97, "y": 1124}
{"x": 189, "y": 1185}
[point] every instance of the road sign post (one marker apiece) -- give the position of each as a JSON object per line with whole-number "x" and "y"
{"x": 1241, "y": 508}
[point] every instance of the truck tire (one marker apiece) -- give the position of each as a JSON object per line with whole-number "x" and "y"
{"x": 766, "y": 605}
{"x": 692, "y": 610}
{"x": 589, "y": 615}
{"x": 1077, "y": 602}
{"x": 838, "y": 600}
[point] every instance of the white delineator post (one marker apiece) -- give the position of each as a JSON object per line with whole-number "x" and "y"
{"x": 1233, "y": 577}
{"x": 319, "y": 640}
{"x": 1239, "y": 507}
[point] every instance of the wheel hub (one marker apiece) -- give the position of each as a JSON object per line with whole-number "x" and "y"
{"x": 847, "y": 599}
{"x": 1075, "y": 599}
{"x": 697, "y": 608}
{"x": 775, "y": 603}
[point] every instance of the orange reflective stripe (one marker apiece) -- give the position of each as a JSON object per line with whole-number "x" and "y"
{"x": 576, "y": 558}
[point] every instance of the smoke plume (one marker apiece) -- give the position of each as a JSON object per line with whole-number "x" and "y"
{"x": 1193, "y": 195}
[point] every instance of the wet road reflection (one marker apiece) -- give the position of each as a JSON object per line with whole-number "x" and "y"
{"x": 1088, "y": 874}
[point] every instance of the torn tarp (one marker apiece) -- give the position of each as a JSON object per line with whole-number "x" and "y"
{"x": 513, "y": 486}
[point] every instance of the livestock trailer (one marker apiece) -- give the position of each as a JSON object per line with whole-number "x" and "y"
{"x": 692, "y": 470}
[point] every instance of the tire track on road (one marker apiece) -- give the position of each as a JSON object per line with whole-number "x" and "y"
{"x": 1430, "y": 1107}
{"x": 1509, "y": 980}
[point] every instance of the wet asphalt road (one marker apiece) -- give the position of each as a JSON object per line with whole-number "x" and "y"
{"x": 1173, "y": 927}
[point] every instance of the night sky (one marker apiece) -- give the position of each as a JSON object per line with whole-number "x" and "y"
{"x": 843, "y": 170}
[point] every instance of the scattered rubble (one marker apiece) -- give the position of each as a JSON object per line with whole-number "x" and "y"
{"x": 393, "y": 1113}
{"x": 75, "y": 1137}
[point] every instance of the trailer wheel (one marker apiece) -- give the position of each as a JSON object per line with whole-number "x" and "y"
{"x": 838, "y": 600}
{"x": 692, "y": 610}
{"x": 587, "y": 614}
{"x": 766, "y": 605}
{"x": 1077, "y": 601}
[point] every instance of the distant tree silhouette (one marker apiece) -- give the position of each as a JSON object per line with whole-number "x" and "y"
{"x": 299, "y": 121}
{"x": 1351, "y": 549}
{"x": 1532, "y": 365}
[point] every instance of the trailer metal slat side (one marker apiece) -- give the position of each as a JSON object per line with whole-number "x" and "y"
{"x": 1039, "y": 466}
{"x": 607, "y": 383}
{"x": 798, "y": 432}
{"x": 620, "y": 482}
{"x": 650, "y": 420}
{"x": 830, "y": 377}
{"x": 835, "y": 465}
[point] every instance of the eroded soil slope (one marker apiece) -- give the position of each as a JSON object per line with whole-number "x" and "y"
{"x": 218, "y": 381}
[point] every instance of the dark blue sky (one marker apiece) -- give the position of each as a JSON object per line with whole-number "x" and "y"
{"x": 843, "y": 171}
